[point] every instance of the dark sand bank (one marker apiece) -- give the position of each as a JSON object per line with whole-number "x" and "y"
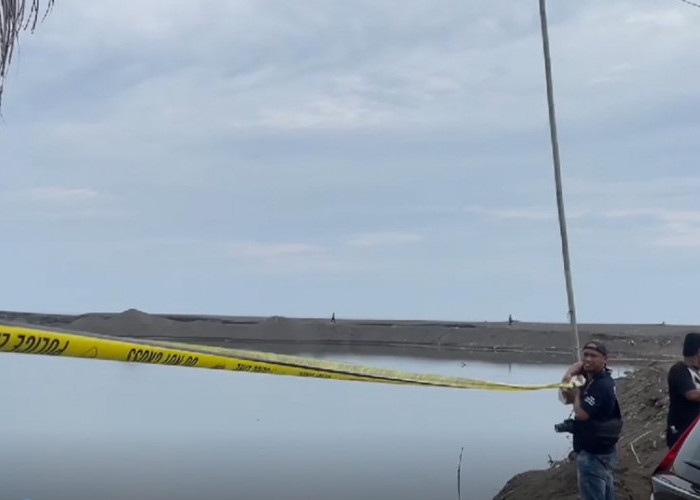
{"x": 493, "y": 341}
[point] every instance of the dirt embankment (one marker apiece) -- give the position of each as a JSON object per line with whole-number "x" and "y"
{"x": 644, "y": 401}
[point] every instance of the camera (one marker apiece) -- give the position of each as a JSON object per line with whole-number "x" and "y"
{"x": 565, "y": 426}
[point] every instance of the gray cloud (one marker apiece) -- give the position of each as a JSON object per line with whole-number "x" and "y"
{"x": 262, "y": 137}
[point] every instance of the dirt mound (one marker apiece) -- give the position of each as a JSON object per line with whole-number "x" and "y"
{"x": 644, "y": 401}
{"x": 135, "y": 323}
{"x": 132, "y": 323}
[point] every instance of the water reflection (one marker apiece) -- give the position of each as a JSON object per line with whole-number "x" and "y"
{"x": 92, "y": 429}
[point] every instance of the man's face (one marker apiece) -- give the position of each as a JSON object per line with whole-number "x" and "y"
{"x": 593, "y": 361}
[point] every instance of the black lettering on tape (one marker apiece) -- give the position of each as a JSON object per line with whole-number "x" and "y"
{"x": 4, "y": 339}
{"x": 172, "y": 359}
{"x": 53, "y": 345}
{"x": 312, "y": 374}
{"x": 152, "y": 357}
{"x": 147, "y": 356}
{"x": 20, "y": 339}
{"x": 144, "y": 356}
{"x": 252, "y": 368}
{"x": 29, "y": 344}
{"x": 61, "y": 350}
{"x": 35, "y": 345}
{"x": 46, "y": 341}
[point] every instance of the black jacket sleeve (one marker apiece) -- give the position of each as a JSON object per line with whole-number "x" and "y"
{"x": 599, "y": 399}
{"x": 680, "y": 380}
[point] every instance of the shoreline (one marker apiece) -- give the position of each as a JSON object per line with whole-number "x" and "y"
{"x": 486, "y": 341}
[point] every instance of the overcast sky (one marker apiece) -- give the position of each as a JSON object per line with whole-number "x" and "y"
{"x": 376, "y": 159}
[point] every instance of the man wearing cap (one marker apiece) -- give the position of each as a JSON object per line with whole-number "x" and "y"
{"x": 684, "y": 390}
{"x": 597, "y": 423}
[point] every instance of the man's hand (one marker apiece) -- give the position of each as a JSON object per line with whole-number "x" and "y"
{"x": 693, "y": 395}
{"x": 572, "y": 371}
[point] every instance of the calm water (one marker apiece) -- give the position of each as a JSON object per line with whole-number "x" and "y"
{"x": 82, "y": 429}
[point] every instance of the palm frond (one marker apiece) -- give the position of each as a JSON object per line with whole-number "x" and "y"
{"x": 16, "y": 16}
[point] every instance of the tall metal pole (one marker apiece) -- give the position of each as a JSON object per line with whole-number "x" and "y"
{"x": 557, "y": 178}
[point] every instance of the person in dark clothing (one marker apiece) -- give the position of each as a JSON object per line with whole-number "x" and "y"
{"x": 684, "y": 390}
{"x": 596, "y": 425}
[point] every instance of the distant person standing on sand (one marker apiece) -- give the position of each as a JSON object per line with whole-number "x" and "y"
{"x": 684, "y": 390}
{"x": 333, "y": 318}
{"x": 510, "y": 319}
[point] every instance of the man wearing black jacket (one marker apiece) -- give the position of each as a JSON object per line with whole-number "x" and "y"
{"x": 597, "y": 423}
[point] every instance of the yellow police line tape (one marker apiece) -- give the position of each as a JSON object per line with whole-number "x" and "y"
{"x": 20, "y": 339}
